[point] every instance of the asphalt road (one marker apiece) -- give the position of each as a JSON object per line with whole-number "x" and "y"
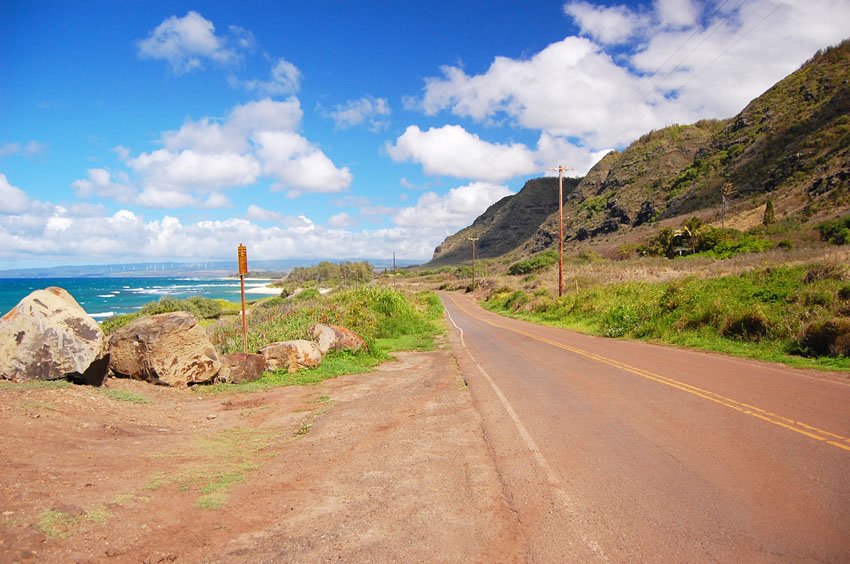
{"x": 620, "y": 451}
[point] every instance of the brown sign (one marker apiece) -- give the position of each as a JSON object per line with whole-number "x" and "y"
{"x": 242, "y": 253}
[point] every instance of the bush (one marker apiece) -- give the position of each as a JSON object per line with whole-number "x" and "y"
{"x": 825, "y": 271}
{"x": 844, "y": 292}
{"x": 620, "y": 320}
{"x": 201, "y": 308}
{"x": 112, "y": 324}
{"x": 751, "y": 325}
{"x": 836, "y": 231}
{"x": 536, "y": 262}
{"x": 827, "y": 338}
{"x": 814, "y": 297}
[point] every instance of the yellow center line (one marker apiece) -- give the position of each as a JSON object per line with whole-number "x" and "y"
{"x": 790, "y": 424}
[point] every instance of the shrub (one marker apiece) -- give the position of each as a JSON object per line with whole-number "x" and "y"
{"x": 836, "y": 231}
{"x": 620, "y": 320}
{"x": 844, "y": 292}
{"x": 825, "y": 271}
{"x": 201, "y": 308}
{"x": 751, "y": 325}
{"x": 536, "y": 262}
{"x": 785, "y": 244}
{"x": 827, "y": 338}
{"x": 814, "y": 297}
{"x": 112, "y": 324}
{"x": 516, "y": 300}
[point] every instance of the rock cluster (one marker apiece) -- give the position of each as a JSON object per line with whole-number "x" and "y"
{"x": 48, "y": 336}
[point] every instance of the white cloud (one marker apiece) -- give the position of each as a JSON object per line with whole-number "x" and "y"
{"x": 257, "y": 213}
{"x": 186, "y": 42}
{"x": 298, "y": 164}
{"x": 680, "y": 13}
{"x": 83, "y": 234}
{"x": 203, "y": 158}
{"x": 285, "y": 79}
{"x": 99, "y": 183}
{"x": 199, "y": 171}
{"x": 452, "y": 151}
{"x": 164, "y": 198}
{"x": 28, "y": 149}
{"x": 712, "y": 69}
{"x": 341, "y": 220}
{"x": 457, "y": 209}
{"x": 12, "y": 199}
{"x": 372, "y": 111}
{"x": 608, "y": 25}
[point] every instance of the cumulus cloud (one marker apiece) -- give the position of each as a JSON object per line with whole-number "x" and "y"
{"x": 12, "y": 198}
{"x": 196, "y": 170}
{"x": 298, "y": 164}
{"x": 680, "y": 13}
{"x": 368, "y": 110}
{"x": 608, "y": 25}
{"x": 206, "y": 157}
{"x": 185, "y": 43}
{"x": 678, "y": 67}
{"x": 99, "y": 183}
{"x": 285, "y": 79}
{"x": 454, "y": 210}
{"x": 452, "y": 151}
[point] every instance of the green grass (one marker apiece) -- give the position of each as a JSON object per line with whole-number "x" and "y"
{"x": 222, "y": 461}
{"x": 761, "y": 314}
{"x": 126, "y": 395}
{"x": 387, "y": 319}
{"x": 57, "y": 524}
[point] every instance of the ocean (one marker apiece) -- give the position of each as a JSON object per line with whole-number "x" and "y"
{"x": 104, "y": 297}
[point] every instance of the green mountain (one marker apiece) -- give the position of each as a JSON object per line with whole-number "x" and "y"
{"x": 792, "y": 142}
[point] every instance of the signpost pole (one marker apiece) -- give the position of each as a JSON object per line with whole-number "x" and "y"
{"x": 242, "y": 255}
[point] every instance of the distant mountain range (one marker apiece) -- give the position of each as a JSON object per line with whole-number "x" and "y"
{"x": 792, "y": 144}
{"x": 205, "y": 269}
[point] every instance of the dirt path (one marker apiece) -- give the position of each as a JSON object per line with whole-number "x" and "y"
{"x": 389, "y": 465}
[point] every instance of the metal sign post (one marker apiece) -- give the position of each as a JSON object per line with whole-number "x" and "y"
{"x": 242, "y": 256}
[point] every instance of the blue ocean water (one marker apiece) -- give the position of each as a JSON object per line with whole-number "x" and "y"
{"x": 105, "y": 297}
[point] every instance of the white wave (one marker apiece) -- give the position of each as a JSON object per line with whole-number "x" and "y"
{"x": 106, "y": 295}
{"x": 103, "y": 314}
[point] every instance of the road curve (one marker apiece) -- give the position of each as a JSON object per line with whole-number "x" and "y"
{"x": 620, "y": 451}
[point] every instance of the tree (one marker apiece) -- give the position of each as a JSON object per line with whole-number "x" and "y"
{"x": 769, "y": 213}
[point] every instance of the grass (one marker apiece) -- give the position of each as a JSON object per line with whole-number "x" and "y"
{"x": 225, "y": 460}
{"x": 761, "y": 314}
{"x": 127, "y": 396}
{"x": 57, "y": 524}
{"x": 387, "y": 319}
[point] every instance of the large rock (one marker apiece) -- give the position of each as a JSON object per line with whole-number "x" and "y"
{"x": 336, "y": 338}
{"x": 48, "y": 336}
{"x": 292, "y": 355}
{"x": 169, "y": 348}
{"x": 238, "y": 368}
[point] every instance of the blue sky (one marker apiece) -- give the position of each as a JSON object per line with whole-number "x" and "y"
{"x": 137, "y": 131}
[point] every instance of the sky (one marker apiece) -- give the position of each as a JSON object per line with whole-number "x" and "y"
{"x": 139, "y": 131}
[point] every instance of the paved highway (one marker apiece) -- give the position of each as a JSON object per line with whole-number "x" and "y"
{"x": 613, "y": 450}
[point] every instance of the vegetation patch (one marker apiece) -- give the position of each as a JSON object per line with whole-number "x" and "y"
{"x": 783, "y": 314}
{"x": 535, "y": 263}
{"x": 836, "y": 231}
{"x": 125, "y": 395}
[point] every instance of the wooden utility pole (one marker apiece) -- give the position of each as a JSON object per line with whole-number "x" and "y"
{"x": 242, "y": 256}
{"x": 561, "y": 169}
{"x": 473, "y": 239}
